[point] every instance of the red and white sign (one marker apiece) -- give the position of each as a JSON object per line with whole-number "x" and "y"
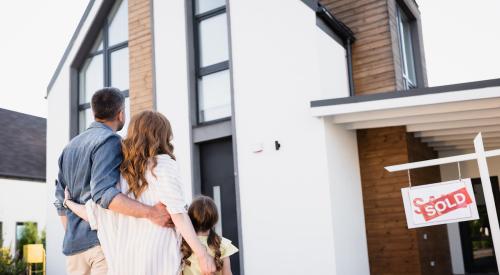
{"x": 439, "y": 203}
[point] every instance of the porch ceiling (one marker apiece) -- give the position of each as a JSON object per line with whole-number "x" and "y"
{"x": 445, "y": 117}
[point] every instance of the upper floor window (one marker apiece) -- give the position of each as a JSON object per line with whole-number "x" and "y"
{"x": 107, "y": 64}
{"x": 212, "y": 60}
{"x": 406, "y": 49}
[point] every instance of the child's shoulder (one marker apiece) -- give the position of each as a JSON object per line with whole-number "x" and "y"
{"x": 227, "y": 248}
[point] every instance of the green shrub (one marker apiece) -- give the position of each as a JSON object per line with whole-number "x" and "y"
{"x": 9, "y": 265}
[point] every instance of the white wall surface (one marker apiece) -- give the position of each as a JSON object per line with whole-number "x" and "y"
{"x": 21, "y": 201}
{"x": 333, "y": 67}
{"x": 347, "y": 201}
{"x": 289, "y": 224}
{"x": 58, "y": 120}
{"x": 172, "y": 79}
{"x": 468, "y": 169}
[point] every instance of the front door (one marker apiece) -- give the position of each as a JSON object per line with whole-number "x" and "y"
{"x": 217, "y": 181}
{"x": 477, "y": 244}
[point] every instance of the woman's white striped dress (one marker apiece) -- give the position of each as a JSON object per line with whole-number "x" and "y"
{"x": 137, "y": 246}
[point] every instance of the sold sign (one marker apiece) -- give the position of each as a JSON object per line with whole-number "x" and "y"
{"x": 446, "y": 203}
{"x": 439, "y": 203}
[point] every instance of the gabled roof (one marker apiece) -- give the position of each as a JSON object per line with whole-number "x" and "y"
{"x": 22, "y": 146}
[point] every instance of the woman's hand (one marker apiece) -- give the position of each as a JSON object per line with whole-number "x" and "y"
{"x": 67, "y": 196}
{"x": 185, "y": 227}
{"x": 207, "y": 264}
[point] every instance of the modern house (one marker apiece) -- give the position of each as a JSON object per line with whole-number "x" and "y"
{"x": 286, "y": 113}
{"x": 22, "y": 175}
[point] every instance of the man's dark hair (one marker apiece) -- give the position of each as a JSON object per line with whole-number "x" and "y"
{"x": 107, "y": 103}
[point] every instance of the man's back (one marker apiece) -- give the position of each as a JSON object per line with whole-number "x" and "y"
{"x": 89, "y": 167}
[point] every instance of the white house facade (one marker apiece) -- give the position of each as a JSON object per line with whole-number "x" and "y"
{"x": 285, "y": 112}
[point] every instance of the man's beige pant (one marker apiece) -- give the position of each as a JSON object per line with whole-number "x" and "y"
{"x": 88, "y": 262}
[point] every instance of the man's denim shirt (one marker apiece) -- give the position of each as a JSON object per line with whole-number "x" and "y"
{"x": 89, "y": 167}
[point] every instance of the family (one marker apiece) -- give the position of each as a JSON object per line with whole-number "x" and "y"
{"x": 122, "y": 204}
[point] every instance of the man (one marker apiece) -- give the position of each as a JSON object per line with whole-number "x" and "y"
{"x": 89, "y": 167}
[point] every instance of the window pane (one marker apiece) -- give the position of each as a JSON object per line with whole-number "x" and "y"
{"x": 85, "y": 118}
{"x": 214, "y": 97}
{"x": 206, "y": 5}
{"x": 408, "y": 49}
{"x": 91, "y": 78}
{"x": 118, "y": 28}
{"x": 119, "y": 69}
{"x": 123, "y": 131}
{"x": 213, "y": 40}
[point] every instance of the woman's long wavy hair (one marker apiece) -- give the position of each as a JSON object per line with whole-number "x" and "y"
{"x": 149, "y": 134}
{"x": 204, "y": 215}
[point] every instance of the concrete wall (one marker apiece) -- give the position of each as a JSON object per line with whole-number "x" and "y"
{"x": 286, "y": 195}
{"x": 351, "y": 251}
{"x": 20, "y": 201}
{"x": 332, "y": 66}
{"x": 468, "y": 169}
{"x": 172, "y": 79}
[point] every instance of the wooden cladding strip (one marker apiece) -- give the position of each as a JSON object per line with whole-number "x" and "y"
{"x": 392, "y": 248}
{"x": 140, "y": 56}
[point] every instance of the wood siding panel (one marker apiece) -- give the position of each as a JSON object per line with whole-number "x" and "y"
{"x": 140, "y": 56}
{"x": 392, "y": 248}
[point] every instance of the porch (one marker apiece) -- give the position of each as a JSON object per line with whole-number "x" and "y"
{"x": 419, "y": 124}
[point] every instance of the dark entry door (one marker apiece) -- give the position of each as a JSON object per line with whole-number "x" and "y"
{"x": 217, "y": 181}
{"x": 477, "y": 243}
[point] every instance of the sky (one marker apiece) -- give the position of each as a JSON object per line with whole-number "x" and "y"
{"x": 33, "y": 37}
{"x": 461, "y": 43}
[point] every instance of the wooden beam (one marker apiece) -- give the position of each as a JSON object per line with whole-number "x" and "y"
{"x": 460, "y": 142}
{"x": 452, "y": 124}
{"x": 459, "y": 137}
{"x": 459, "y": 131}
{"x": 409, "y": 118}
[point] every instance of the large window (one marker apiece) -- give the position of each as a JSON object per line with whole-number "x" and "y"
{"x": 212, "y": 60}
{"x": 406, "y": 49}
{"x": 107, "y": 64}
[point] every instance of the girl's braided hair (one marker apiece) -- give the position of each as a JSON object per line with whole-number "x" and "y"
{"x": 204, "y": 215}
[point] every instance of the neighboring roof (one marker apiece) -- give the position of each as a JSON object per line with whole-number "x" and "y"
{"x": 70, "y": 46}
{"x": 22, "y": 146}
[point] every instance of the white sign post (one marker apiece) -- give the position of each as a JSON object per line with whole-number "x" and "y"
{"x": 480, "y": 156}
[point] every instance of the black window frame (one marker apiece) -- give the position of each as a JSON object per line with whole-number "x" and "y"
{"x": 88, "y": 53}
{"x": 1, "y": 234}
{"x": 201, "y": 71}
{"x": 402, "y": 10}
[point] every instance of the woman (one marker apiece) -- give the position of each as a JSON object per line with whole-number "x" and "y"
{"x": 149, "y": 174}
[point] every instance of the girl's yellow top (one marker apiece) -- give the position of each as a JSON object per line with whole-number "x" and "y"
{"x": 226, "y": 248}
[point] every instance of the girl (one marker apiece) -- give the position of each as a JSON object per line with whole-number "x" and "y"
{"x": 204, "y": 215}
{"x": 149, "y": 174}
